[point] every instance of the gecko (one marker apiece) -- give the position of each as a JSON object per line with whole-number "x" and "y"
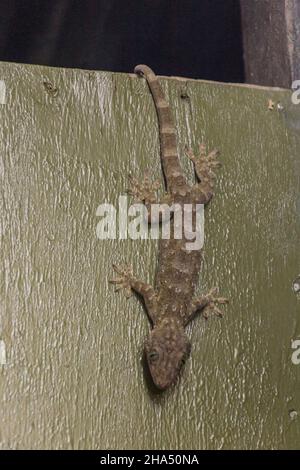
{"x": 171, "y": 304}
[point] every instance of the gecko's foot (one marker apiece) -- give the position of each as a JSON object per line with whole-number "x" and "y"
{"x": 212, "y": 305}
{"x": 205, "y": 163}
{"x": 144, "y": 191}
{"x": 124, "y": 280}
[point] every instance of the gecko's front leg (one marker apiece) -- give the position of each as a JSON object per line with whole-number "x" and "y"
{"x": 127, "y": 281}
{"x": 207, "y": 304}
{"x": 145, "y": 192}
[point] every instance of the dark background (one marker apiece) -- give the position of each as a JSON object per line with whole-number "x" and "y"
{"x": 190, "y": 38}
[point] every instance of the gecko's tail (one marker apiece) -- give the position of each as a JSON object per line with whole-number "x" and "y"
{"x": 171, "y": 166}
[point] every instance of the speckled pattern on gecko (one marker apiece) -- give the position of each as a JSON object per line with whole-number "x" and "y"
{"x": 171, "y": 304}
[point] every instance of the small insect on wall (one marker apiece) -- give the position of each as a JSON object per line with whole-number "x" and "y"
{"x": 72, "y": 367}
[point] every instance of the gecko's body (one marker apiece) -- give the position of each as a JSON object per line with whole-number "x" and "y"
{"x": 171, "y": 303}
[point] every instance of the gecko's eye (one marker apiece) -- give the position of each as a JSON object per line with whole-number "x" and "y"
{"x": 153, "y": 356}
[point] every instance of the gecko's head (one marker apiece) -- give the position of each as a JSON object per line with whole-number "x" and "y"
{"x": 166, "y": 350}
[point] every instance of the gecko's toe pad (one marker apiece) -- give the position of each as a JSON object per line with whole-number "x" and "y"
{"x": 212, "y": 307}
{"x": 123, "y": 281}
{"x": 143, "y": 191}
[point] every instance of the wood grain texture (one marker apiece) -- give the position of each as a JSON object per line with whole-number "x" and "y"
{"x": 292, "y": 15}
{"x": 271, "y": 39}
{"x": 74, "y": 376}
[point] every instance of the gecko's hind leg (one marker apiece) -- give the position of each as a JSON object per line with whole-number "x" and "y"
{"x": 127, "y": 281}
{"x": 207, "y": 304}
{"x": 145, "y": 192}
{"x": 204, "y": 164}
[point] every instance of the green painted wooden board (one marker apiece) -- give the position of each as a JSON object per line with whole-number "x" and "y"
{"x": 74, "y": 376}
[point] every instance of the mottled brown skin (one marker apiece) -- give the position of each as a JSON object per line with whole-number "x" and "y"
{"x": 171, "y": 304}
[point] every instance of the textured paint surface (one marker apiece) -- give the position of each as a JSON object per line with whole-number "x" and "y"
{"x": 74, "y": 375}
